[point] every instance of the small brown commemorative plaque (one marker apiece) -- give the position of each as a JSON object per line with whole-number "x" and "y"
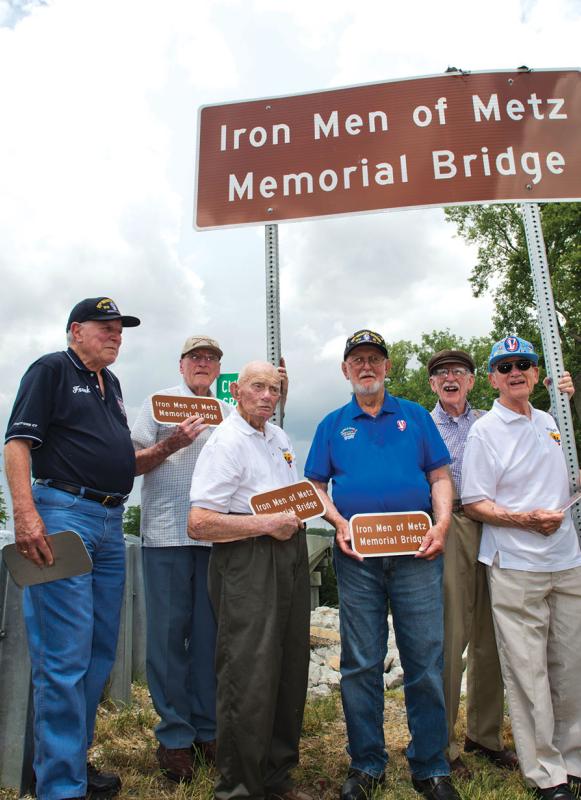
{"x": 301, "y": 497}
{"x": 172, "y": 409}
{"x": 397, "y": 534}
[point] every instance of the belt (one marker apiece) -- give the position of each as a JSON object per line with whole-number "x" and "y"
{"x": 457, "y": 505}
{"x": 109, "y": 500}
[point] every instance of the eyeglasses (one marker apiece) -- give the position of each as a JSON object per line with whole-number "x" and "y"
{"x": 522, "y": 364}
{"x": 197, "y": 357}
{"x": 457, "y": 372}
{"x": 359, "y": 361}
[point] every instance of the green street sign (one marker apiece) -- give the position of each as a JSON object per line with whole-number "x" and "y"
{"x": 223, "y": 387}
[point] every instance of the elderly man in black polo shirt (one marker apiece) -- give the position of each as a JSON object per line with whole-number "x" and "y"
{"x": 68, "y": 420}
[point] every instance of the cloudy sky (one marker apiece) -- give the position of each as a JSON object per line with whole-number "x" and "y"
{"x": 99, "y": 102}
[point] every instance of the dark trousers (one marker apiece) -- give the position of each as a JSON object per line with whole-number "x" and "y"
{"x": 260, "y": 592}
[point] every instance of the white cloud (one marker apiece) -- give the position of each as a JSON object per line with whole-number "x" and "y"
{"x": 97, "y": 147}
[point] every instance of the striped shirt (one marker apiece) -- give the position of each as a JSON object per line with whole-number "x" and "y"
{"x": 454, "y": 432}
{"x": 165, "y": 493}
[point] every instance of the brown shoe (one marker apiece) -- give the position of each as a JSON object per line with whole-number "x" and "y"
{"x": 176, "y": 764}
{"x": 459, "y": 770}
{"x": 291, "y": 794}
{"x": 505, "y": 758}
{"x": 205, "y": 751}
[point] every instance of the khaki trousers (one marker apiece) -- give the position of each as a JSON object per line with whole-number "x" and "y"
{"x": 468, "y": 621}
{"x": 260, "y": 592}
{"x": 537, "y": 616}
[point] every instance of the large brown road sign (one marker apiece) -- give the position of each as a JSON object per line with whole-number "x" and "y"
{"x": 451, "y": 139}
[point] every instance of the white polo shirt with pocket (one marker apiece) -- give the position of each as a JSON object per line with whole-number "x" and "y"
{"x": 518, "y": 462}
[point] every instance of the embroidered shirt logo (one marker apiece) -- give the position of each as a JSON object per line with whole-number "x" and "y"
{"x": 348, "y": 433}
{"x": 401, "y": 424}
{"x": 121, "y": 406}
{"x": 84, "y": 389}
{"x": 555, "y": 436}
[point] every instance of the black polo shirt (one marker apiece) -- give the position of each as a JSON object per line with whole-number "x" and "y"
{"x": 78, "y": 436}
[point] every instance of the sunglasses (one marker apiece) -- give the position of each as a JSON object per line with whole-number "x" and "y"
{"x": 505, "y": 367}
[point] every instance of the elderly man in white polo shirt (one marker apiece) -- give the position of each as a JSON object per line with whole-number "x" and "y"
{"x": 259, "y": 586}
{"x": 515, "y": 481}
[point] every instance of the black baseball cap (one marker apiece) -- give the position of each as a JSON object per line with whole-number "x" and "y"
{"x": 367, "y": 337}
{"x": 99, "y": 308}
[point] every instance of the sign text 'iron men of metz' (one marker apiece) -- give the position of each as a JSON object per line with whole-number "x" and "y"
{"x": 445, "y": 140}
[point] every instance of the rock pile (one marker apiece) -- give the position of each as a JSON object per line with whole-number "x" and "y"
{"x": 325, "y": 653}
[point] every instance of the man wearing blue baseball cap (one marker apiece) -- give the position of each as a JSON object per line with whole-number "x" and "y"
{"x": 515, "y": 481}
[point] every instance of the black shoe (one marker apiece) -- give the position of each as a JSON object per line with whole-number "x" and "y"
{"x": 560, "y": 792}
{"x": 505, "y": 758}
{"x": 101, "y": 784}
{"x": 359, "y": 785}
{"x": 437, "y": 788}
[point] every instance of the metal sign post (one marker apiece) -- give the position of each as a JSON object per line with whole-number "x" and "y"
{"x": 551, "y": 343}
{"x": 272, "y": 304}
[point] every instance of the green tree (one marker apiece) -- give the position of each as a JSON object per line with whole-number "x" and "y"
{"x": 502, "y": 268}
{"x": 132, "y": 520}
{"x": 3, "y": 510}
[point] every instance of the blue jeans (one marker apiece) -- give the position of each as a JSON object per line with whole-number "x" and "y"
{"x": 412, "y": 589}
{"x": 181, "y": 643}
{"x": 72, "y": 627}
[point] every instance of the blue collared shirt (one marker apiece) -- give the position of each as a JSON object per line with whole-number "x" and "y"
{"x": 454, "y": 431}
{"x": 377, "y": 464}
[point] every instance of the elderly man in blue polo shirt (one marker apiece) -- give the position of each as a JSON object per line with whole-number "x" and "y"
{"x": 68, "y": 420}
{"x": 384, "y": 454}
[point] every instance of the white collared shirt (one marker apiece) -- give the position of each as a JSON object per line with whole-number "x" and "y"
{"x": 165, "y": 493}
{"x": 518, "y": 462}
{"x": 240, "y": 461}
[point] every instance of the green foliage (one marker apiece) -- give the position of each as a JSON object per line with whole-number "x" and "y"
{"x": 3, "y": 510}
{"x": 502, "y": 268}
{"x": 132, "y": 521}
{"x": 409, "y": 376}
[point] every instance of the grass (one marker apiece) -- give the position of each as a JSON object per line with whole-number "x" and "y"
{"x": 125, "y": 743}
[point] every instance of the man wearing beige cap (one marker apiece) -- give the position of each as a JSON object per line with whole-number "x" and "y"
{"x": 181, "y": 629}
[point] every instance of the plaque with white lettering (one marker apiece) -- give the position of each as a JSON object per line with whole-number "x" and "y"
{"x": 395, "y": 534}
{"x": 171, "y": 409}
{"x": 301, "y": 497}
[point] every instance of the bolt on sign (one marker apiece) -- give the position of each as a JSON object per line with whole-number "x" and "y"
{"x": 171, "y": 410}
{"x": 301, "y": 497}
{"x": 436, "y": 141}
{"x": 388, "y": 534}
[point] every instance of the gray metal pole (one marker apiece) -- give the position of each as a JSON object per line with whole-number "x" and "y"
{"x": 272, "y": 303}
{"x": 551, "y": 342}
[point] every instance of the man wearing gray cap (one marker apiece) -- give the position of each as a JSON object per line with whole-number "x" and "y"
{"x": 68, "y": 423}
{"x": 467, "y": 616}
{"x": 181, "y": 628}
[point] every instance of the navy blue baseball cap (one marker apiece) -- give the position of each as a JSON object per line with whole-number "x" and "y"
{"x": 509, "y": 347}
{"x": 99, "y": 308}
{"x": 368, "y": 337}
